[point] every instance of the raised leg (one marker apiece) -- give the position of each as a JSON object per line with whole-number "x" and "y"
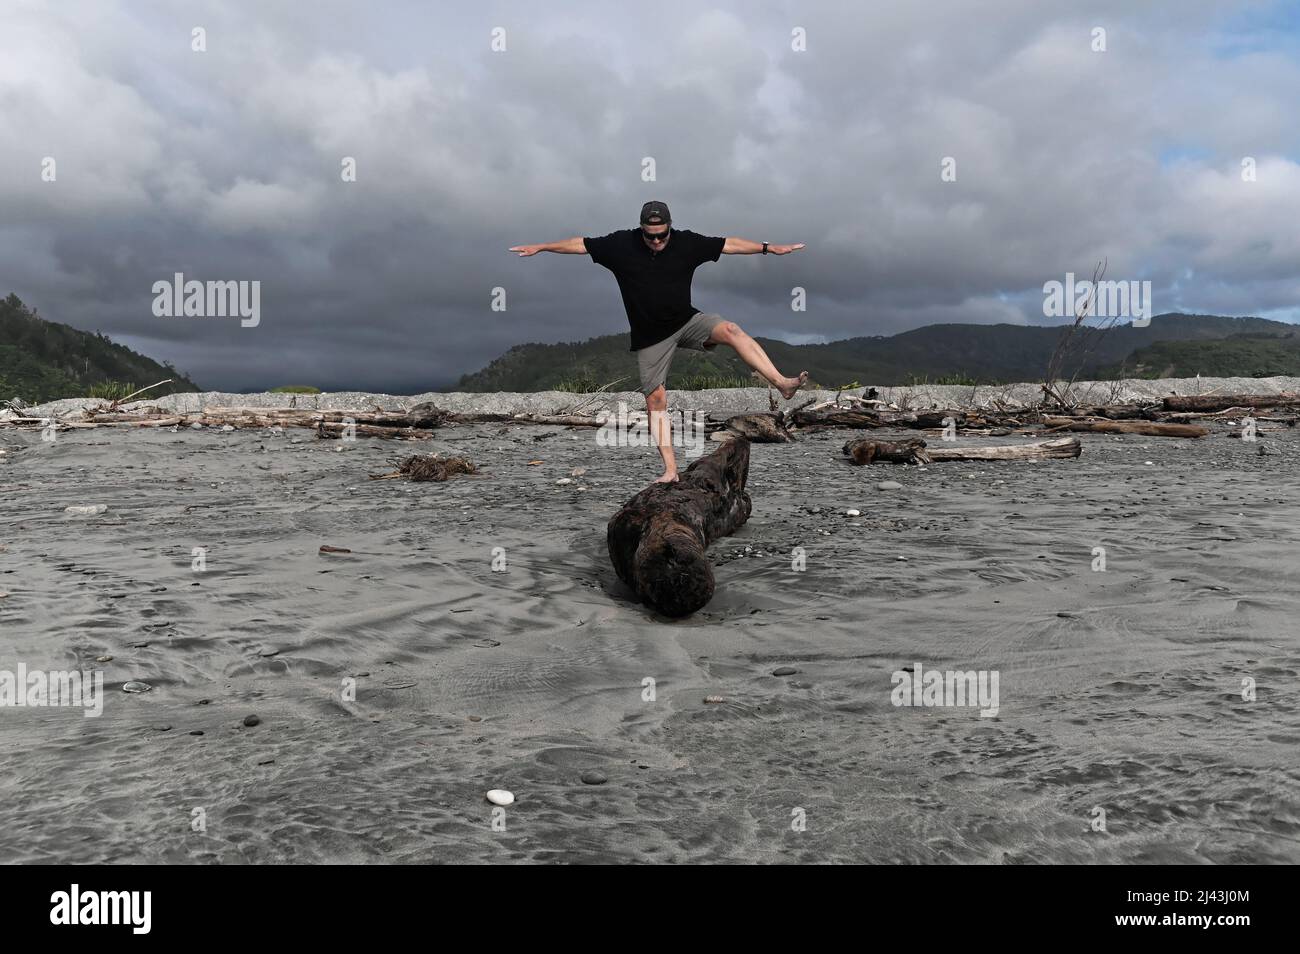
{"x": 752, "y": 353}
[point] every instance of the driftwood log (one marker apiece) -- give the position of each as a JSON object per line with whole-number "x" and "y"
{"x": 759, "y": 428}
{"x": 1061, "y": 447}
{"x": 867, "y": 451}
{"x": 657, "y": 542}
{"x": 852, "y": 417}
{"x": 860, "y": 451}
{"x": 1148, "y": 428}
{"x": 1221, "y": 402}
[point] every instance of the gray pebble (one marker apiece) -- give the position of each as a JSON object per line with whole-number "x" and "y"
{"x": 134, "y": 686}
{"x": 784, "y": 671}
{"x": 593, "y": 778}
{"x": 889, "y": 485}
{"x": 252, "y": 720}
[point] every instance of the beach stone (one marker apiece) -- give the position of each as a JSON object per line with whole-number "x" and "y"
{"x": 86, "y": 511}
{"x": 889, "y": 485}
{"x": 196, "y": 426}
{"x": 564, "y": 480}
{"x": 252, "y": 720}
{"x": 499, "y": 796}
{"x": 784, "y": 671}
{"x": 713, "y": 700}
{"x": 135, "y": 686}
{"x": 593, "y": 778}
{"x": 103, "y": 659}
{"x": 853, "y": 513}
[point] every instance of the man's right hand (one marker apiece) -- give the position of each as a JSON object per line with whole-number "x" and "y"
{"x": 524, "y": 250}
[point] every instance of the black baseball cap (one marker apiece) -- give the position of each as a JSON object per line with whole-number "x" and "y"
{"x": 655, "y": 213}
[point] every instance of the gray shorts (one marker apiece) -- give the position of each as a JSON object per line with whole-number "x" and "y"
{"x": 653, "y": 361}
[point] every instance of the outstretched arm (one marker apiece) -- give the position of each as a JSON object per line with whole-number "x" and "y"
{"x": 740, "y": 246}
{"x": 572, "y": 246}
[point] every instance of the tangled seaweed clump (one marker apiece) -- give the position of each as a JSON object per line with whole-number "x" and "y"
{"x": 434, "y": 467}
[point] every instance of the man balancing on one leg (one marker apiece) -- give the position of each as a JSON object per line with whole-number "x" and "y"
{"x": 654, "y": 265}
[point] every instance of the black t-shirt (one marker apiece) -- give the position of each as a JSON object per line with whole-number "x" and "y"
{"x": 656, "y": 286}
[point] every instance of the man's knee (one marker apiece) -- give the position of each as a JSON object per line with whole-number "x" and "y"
{"x": 726, "y": 332}
{"x": 657, "y": 400}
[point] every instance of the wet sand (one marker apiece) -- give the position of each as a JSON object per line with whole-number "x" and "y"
{"x": 1119, "y": 690}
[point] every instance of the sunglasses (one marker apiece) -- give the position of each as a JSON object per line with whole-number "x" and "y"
{"x": 662, "y": 237}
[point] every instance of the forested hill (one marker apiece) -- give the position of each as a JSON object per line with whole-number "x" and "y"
{"x": 44, "y": 360}
{"x": 957, "y": 353}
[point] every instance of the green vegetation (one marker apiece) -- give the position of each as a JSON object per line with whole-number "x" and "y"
{"x": 112, "y": 390}
{"x": 43, "y": 360}
{"x": 708, "y": 382}
{"x": 1237, "y": 356}
{"x": 935, "y": 354}
{"x": 960, "y": 379}
{"x": 295, "y": 389}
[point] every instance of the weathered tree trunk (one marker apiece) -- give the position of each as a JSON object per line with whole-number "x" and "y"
{"x": 837, "y": 417}
{"x": 848, "y": 417}
{"x": 887, "y": 452}
{"x": 657, "y": 542}
{"x": 1039, "y": 450}
{"x": 760, "y": 428}
{"x": 865, "y": 451}
{"x": 1221, "y": 402}
{"x": 1115, "y": 412}
{"x": 332, "y": 429}
{"x": 1148, "y": 428}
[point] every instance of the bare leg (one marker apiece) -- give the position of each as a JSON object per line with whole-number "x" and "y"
{"x": 656, "y": 403}
{"x": 752, "y": 353}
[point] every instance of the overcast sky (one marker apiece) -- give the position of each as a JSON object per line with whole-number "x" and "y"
{"x": 226, "y": 165}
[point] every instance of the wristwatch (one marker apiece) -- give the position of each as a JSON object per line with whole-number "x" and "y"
{"x": 764, "y": 248}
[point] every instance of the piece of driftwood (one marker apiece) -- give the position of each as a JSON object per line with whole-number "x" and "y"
{"x": 1115, "y": 412}
{"x": 1061, "y": 447}
{"x": 336, "y": 429}
{"x": 760, "y": 428}
{"x": 657, "y": 541}
{"x": 1221, "y": 402}
{"x": 865, "y": 419}
{"x": 1147, "y": 428}
{"x": 866, "y": 451}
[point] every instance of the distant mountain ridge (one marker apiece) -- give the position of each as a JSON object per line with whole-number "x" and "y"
{"x": 44, "y": 360}
{"x": 986, "y": 354}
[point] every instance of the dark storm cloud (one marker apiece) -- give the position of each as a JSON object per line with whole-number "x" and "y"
{"x": 225, "y": 165}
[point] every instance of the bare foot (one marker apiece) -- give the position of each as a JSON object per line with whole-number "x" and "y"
{"x": 793, "y": 384}
{"x": 669, "y": 478}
